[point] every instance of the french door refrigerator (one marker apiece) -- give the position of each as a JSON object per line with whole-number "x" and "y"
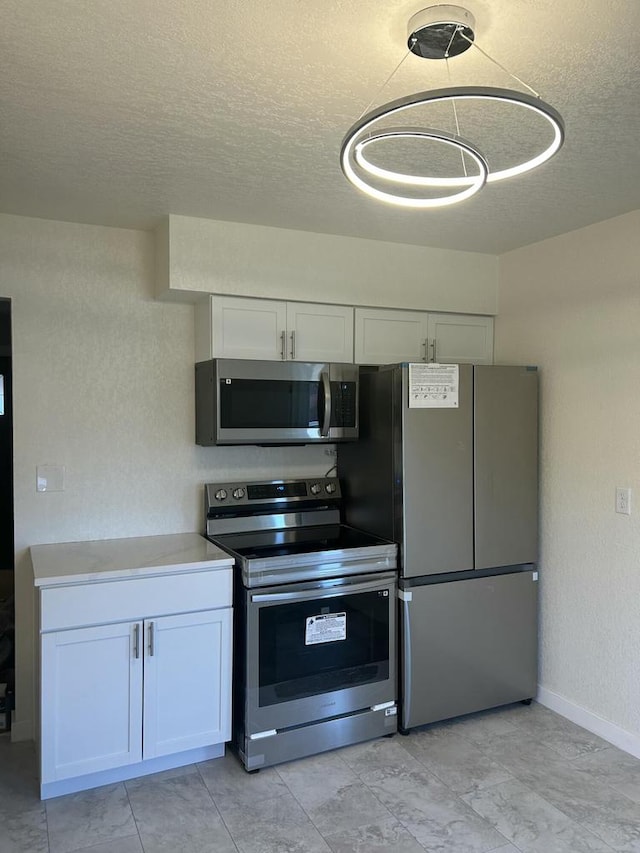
{"x": 452, "y": 478}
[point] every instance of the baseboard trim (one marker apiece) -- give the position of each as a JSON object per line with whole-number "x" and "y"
{"x": 22, "y": 730}
{"x": 616, "y": 735}
{"x": 130, "y": 771}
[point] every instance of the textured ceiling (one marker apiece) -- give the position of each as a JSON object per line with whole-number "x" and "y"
{"x": 121, "y": 112}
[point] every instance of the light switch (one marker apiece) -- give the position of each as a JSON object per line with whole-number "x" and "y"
{"x": 50, "y": 478}
{"x": 623, "y": 501}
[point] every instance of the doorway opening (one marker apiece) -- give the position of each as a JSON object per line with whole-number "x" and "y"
{"x": 7, "y": 610}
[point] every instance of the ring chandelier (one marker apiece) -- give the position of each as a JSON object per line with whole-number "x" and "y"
{"x": 439, "y": 32}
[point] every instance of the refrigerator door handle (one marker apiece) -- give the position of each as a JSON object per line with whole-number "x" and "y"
{"x": 407, "y": 662}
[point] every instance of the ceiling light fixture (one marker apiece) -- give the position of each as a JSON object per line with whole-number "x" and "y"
{"x": 473, "y": 184}
{"x": 440, "y": 32}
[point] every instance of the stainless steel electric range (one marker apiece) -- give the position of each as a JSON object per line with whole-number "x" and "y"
{"x": 314, "y": 619}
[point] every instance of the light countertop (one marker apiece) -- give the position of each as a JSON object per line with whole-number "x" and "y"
{"x": 142, "y": 556}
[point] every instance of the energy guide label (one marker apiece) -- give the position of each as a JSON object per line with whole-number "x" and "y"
{"x": 325, "y": 628}
{"x": 433, "y": 386}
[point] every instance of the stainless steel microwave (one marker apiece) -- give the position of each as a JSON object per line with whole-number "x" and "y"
{"x": 241, "y": 401}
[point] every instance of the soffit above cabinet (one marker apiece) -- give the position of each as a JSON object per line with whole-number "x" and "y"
{"x": 196, "y": 257}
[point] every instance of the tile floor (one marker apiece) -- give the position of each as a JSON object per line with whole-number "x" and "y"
{"x": 515, "y": 779}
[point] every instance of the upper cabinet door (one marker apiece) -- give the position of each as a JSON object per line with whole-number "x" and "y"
{"x": 458, "y": 338}
{"x": 319, "y": 332}
{"x": 248, "y": 328}
{"x": 387, "y": 336}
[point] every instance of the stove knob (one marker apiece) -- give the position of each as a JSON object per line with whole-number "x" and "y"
{"x": 316, "y": 488}
{"x": 330, "y": 487}
{"x": 221, "y": 495}
{"x": 238, "y": 493}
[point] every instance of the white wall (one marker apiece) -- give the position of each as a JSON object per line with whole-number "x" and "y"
{"x": 198, "y": 256}
{"x": 572, "y": 305}
{"x": 103, "y": 384}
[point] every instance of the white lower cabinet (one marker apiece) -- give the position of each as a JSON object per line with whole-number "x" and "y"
{"x": 143, "y": 693}
{"x": 92, "y": 701}
{"x": 187, "y": 676}
{"x": 121, "y": 694}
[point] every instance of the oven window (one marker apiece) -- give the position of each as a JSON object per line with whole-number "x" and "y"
{"x": 315, "y": 647}
{"x": 268, "y": 404}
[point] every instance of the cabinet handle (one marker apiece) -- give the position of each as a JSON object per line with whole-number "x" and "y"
{"x": 424, "y": 344}
{"x": 293, "y": 344}
{"x": 283, "y": 337}
{"x": 151, "y": 640}
{"x": 433, "y": 350}
{"x": 136, "y": 641}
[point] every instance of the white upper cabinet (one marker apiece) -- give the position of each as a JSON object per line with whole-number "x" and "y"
{"x": 460, "y": 338}
{"x": 247, "y": 328}
{"x": 235, "y": 327}
{"x": 319, "y": 332}
{"x": 386, "y": 336}
{"x": 239, "y": 327}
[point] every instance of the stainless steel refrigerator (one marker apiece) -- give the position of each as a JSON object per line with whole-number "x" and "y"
{"x": 457, "y": 488}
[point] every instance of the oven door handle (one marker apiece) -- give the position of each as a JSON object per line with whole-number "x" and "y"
{"x": 326, "y": 422}
{"x": 319, "y": 592}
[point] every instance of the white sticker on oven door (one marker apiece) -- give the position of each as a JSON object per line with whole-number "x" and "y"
{"x": 325, "y": 628}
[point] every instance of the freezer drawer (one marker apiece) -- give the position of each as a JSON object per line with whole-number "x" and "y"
{"x": 467, "y": 645}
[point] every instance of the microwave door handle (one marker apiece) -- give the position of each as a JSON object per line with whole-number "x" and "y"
{"x": 326, "y": 386}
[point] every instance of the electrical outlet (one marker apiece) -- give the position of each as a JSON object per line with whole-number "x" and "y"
{"x": 49, "y": 478}
{"x": 623, "y": 501}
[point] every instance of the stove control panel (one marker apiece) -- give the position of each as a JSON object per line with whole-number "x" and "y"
{"x": 280, "y": 493}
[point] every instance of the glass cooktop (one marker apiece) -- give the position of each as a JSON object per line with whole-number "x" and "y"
{"x": 300, "y": 540}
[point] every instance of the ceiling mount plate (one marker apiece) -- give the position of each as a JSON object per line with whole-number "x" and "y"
{"x": 440, "y": 32}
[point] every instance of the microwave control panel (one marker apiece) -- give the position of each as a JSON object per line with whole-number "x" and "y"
{"x": 344, "y": 396}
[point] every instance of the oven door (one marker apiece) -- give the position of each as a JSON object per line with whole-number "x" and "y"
{"x": 318, "y": 650}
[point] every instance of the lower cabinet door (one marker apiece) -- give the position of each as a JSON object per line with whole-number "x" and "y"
{"x": 91, "y": 712}
{"x": 187, "y": 682}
